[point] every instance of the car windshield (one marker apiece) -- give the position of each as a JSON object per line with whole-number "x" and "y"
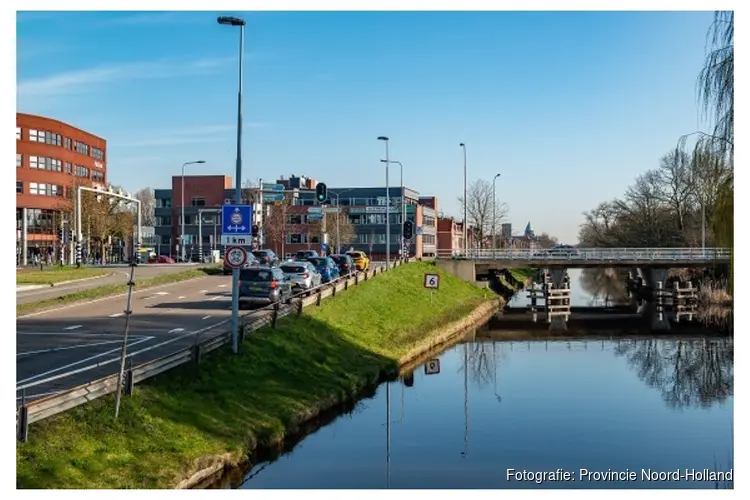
{"x": 293, "y": 269}
{"x": 317, "y": 261}
{"x": 337, "y": 258}
{"x": 354, "y": 255}
{"x": 259, "y": 254}
{"x": 256, "y": 275}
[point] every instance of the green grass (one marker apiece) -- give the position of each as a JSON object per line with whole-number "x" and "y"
{"x": 228, "y": 401}
{"x": 56, "y": 274}
{"x": 109, "y": 290}
{"x": 522, "y": 274}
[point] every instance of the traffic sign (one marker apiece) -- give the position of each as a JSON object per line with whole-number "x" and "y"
{"x": 314, "y": 217}
{"x": 273, "y": 187}
{"x": 332, "y": 210}
{"x": 314, "y": 210}
{"x": 236, "y": 241}
{"x": 432, "y": 367}
{"x": 324, "y": 247}
{"x": 236, "y": 219}
{"x": 236, "y": 257}
{"x": 273, "y": 197}
{"x": 432, "y": 281}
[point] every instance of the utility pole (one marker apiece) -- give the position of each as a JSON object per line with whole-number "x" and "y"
{"x": 466, "y": 202}
{"x": 387, "y": 206}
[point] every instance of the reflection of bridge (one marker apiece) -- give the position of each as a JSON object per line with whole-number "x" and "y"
{"x": 652, "y": 263}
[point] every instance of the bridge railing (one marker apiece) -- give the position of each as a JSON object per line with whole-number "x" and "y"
{"x": 596, "y": 254}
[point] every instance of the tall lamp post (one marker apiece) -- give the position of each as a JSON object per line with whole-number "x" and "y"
{"x": 494, "y": 211}
{"x": 466, "y": 223}
{"x": 338, "y": 214}
{"x": 387, "y": 207}
{"x": 236, "y": 21}
{"x": 182, "y": 216}
{"x": 403, "y": 204}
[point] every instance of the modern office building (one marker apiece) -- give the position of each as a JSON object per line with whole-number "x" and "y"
{"x": 51, "y": 157}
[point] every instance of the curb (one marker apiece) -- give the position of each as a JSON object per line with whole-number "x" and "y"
{"x": 25, "y": 288}
{"x": 80, "y": 280}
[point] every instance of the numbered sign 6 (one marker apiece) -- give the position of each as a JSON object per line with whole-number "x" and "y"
{"x": 432, "y": 281}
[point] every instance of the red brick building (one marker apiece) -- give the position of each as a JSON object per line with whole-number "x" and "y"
{"x": 51, "y": 157}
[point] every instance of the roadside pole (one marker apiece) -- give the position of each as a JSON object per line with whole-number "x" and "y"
{"x": 128, "y": 311}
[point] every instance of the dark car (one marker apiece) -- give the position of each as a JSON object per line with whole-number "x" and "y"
{"x": 327, "y": 268}
{"x": 345, "y": 263}
{"x": 264, "y": 285}
{"x": 267, "y": 257}
{"x": 250, "y": 262}
{"x": 306, "y": 255}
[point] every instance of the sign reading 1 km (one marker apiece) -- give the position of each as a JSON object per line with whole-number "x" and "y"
{"x": 236, "y": 219}
{"x": 235, "y": 256}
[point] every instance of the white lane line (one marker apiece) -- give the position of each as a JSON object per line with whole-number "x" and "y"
{"x": 217, "y": 298}
{"x": 175, "y": 330}
{"x": 206, "y": 317}
{"x": 74, "y": 327}
{"x": 55, "y": 370}
{"x": 83, "y": 334}
{"x": 204, "y": 291}
{"x": 162, "y": 293}
{"x": 41, "y": 394}
{"x": 222, "y": 286}
{"x": 77, "y": 346}
{"x": 116, "y": 315}
{"x": 181, "y": 297}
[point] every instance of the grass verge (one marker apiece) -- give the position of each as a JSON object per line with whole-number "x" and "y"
{"x": 229, "y": 403}
{"x": 109, "y": 290}
{"x": 56, "y": 274}
{"x": 522, "y": 274}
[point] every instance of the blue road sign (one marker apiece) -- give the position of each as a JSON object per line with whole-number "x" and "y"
{"x": 236, "y": 219}
{"x": 314, "y": 217}
{"x": 273, "y": 197}
{"x": 275, "y": 187}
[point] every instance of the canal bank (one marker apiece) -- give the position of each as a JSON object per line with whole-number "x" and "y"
{"x": 196, "y": 420}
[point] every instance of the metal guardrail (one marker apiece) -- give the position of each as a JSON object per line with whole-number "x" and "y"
{"x": 45, "y": 407}
{"x": 594, "y": 254}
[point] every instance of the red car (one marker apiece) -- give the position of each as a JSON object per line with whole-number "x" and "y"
{"x": 163, "y": 259}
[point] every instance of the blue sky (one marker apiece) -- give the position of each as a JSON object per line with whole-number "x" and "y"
{"x": 568, "y": 106}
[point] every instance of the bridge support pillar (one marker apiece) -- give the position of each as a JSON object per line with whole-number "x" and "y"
{"x": 464, "y": 269}
{"x": 558, "y": 300}
{"x": 653, "y": 275}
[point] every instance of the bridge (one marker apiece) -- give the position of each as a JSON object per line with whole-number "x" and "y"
{"x": 652, "y": 263}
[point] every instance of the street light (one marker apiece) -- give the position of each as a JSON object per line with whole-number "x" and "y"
{"x": 182, "y": 197}
{"x": 236, "y": 21}
{"x": 494, "y": 212}
{"x": 466, "y": 242}
{"x": 338, "y": 214}
{"x": 403, "y": 205}
{"x": 387, "y": 207}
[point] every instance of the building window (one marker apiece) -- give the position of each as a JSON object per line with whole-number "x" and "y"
{"x": 313, "y": 238}
{"x": 19, "y": 160}
{"x": 363, "y": 238}
{"x": 163, "y": 202}
{"x": 34, "y": 135}
{"x": 19, "y": 187}
{"x": 164, "y": 221}
{"x": 19, "y": 133}
{"x": 296, "y": 238}
{"x": 97, "y": 153}
{"x": 45, "y": 189}
{"x": 54, "y": 139}
{"x": 82, "y": 171}
{"x": 296, "y": 219}
{"x": 68, "y": 167}
{"x": 81, "y": 148}
{"x": 198, "y": 202}
{"x": 379, "y": 239}
{"x": 97, "y": 176}
{"x": 67, "y": 143}
{"x": 428, "y": 239}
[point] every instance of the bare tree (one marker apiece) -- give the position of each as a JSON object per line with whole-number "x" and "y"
{"x": 675, "y": 184}
{"x": 148, "y": 205}
{"x": 276, "y": 225}
{"x": 345, "y": 230}
{"x": 479, "y": 210}
{"x": 544, "y": 240}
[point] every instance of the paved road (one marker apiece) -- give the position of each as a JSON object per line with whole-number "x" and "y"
{"x": 59, "y": 341}
{"x": 119, "y": 275}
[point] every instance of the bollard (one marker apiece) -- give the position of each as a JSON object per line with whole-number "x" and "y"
{"x": 196, "y": 353}
{"x": 346, "y": 284}
{"x": 356, "y": 279}
{"x": 333, "y": 292}
{"x": 319, "y": 298}
{"x": 129, "y": 379}
{"x": 275, "y": 315}
{"x": 299, "y": 308}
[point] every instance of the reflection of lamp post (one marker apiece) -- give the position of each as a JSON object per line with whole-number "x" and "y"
{"x": 494, "y": 361}
{"x": 465, "y": 453}
{"x": 388, "y": 434}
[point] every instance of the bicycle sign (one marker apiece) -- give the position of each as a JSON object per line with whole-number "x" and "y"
{"x": 432, "y": 281}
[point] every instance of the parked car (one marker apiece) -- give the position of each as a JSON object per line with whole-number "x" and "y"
{"x": 327, "y": 268}
{"x": 250, "y": 262}
{"x": 303, "y": 275}
{"x": 266, "y": 257}
{"x": 264, "y": 285}
{"x": 345, "y": 263}
{"x": 306, "y": 254}
{"x": 361, "y": 260}
{"x": 163, "y": 259}
{"x": 564, "y": 251}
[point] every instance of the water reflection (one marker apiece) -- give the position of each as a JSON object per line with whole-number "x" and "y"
{"x": 571, "y": 404}
{"x": 688, "y": 373}
{"x": 605, "y": 287}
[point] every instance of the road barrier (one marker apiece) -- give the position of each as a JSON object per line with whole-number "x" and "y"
{"x": 40, "y": 409}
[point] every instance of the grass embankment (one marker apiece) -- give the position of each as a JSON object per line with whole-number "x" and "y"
{"x": 228, "y": 403}
{"x": 110, "y": 290}
{"x": 55, "y": 274}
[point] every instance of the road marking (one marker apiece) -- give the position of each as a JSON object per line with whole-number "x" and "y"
{"x": 181, "y": 297}
{"x": 77, "y": 346}
{"x": 222, "y": 286}
{"x": 162, "y": 293}
{"x": 116, "y": 315}
{"x": 175, "y": 330}
{"x": 204, "y": 291}
{"x": 55, "y": 370}
{"x": 217, "y": 298}
{"x": 41, "y": 394}
{"x": 74, "y": 327}
{"x": 206, "y": 317}
{"x": 84, "y": 334}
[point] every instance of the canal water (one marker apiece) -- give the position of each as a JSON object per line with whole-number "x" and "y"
{"x": 605, "y": 405}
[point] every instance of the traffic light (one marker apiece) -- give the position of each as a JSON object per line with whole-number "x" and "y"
{"x": 61, "y": 234}
{"x": 255, "y": 229}
{"x": 408, "y": 229}
{"x": 321, "y": 192}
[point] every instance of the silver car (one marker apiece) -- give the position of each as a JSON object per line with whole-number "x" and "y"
{"x": 303, "y": 275}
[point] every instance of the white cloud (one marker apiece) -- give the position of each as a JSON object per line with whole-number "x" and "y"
{"x": 84, "y": 80}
